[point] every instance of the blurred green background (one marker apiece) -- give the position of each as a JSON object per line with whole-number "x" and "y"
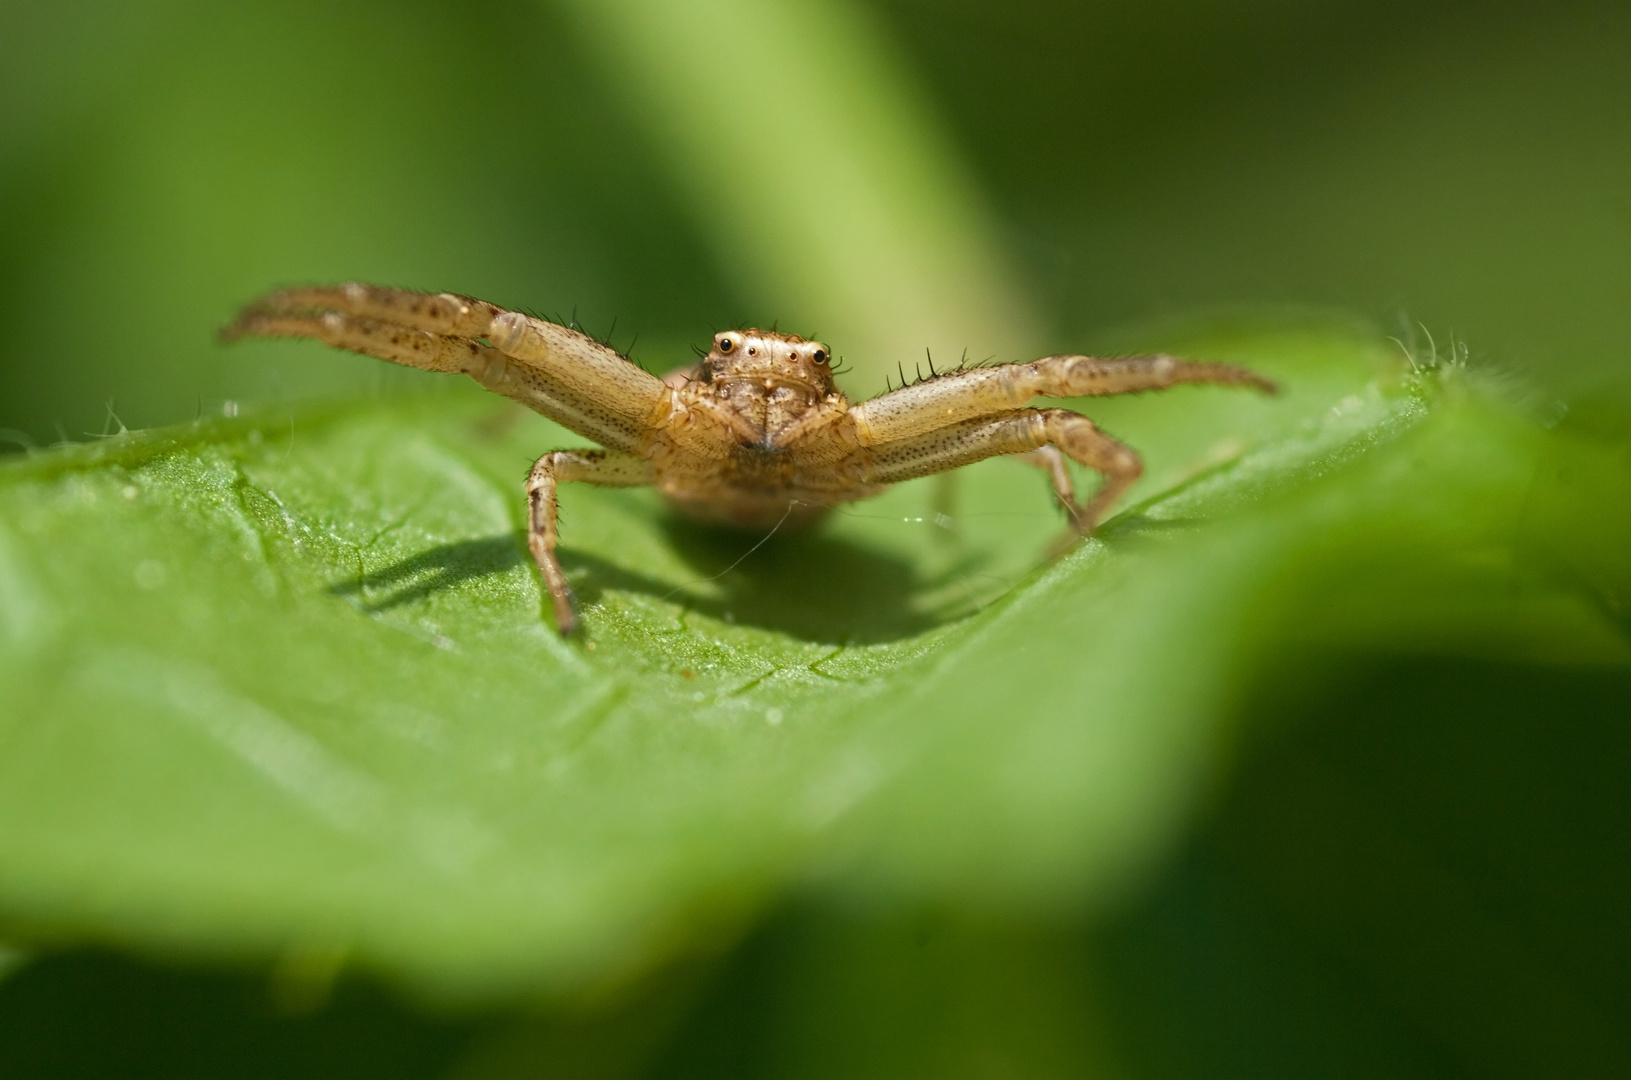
{"x": 1419, "y": 867}
{"x": 1467, "y": 166}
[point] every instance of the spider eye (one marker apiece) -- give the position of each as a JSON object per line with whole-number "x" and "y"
{"x": 820, "y": 356}
{"x": 726, "y": 344}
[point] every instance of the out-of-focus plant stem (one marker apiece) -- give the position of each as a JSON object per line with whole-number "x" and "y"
{"x": 836, "y": 203}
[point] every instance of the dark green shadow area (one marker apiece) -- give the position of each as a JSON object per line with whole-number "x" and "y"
{"x": 93, "y": 1016}
{"x": 811, "y": 585}
{"x": 1420, "y": 869}
{"x": 434, "y": 570}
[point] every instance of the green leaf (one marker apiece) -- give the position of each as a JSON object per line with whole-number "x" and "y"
{"x": 284, "y": 685}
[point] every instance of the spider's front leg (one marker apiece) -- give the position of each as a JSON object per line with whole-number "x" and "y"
{"x": 601, "y": 467}
{"x": 935, "y": 403}
{"x": 555, "y": 370}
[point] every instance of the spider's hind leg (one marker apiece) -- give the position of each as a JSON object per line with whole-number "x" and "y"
{"x": 1083, "y": 442}
{"x": 1051, "y": 461}
{"x": 1040, "y": 435}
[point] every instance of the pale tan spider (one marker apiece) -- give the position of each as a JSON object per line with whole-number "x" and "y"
{"x": 756, "y": 434}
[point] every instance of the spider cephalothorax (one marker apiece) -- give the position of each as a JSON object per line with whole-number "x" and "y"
{"x": 756, "y": 434}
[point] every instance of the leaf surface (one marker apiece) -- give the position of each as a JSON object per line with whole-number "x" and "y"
{"x": 284, "y": 683}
